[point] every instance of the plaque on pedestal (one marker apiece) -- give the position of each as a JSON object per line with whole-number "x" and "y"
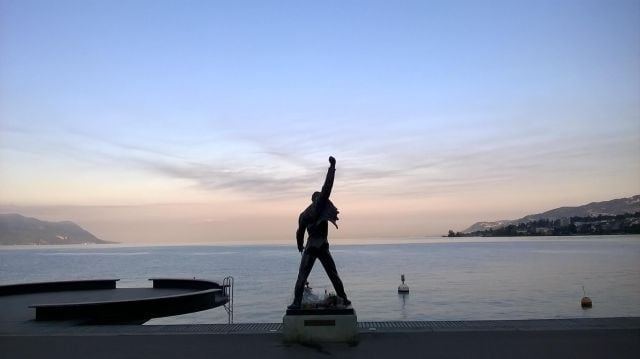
{"x": 320, "y": 325}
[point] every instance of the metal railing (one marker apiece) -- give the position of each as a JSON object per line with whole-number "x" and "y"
{"x": 227, "y": 287}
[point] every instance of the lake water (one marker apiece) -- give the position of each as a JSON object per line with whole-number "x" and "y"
{"x": 450, "y": 279}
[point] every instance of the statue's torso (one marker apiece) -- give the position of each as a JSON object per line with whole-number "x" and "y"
{"x": 317, "y": 230}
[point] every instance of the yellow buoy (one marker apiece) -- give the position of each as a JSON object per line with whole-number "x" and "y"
{"x": 585, "y": 302}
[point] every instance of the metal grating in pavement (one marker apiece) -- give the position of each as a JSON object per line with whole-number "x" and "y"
{"x": 500, "y": 325}
{"x": 244, "y": 328}
{"x": 364, "y": 327}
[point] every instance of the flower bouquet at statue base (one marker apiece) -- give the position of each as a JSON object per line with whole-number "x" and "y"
{"x": 311, "y": 300}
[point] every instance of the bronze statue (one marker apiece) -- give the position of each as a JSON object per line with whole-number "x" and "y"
{"x": 315, "y": 219}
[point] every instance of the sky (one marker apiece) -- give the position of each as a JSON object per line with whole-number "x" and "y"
{"x": 212, "y": 121}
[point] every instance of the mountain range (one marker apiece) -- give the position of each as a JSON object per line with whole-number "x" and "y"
{"x": 612, "y": 207}
{"x": 16, "y": 229}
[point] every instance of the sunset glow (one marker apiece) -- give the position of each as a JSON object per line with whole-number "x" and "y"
{"x": 204, "y": 121}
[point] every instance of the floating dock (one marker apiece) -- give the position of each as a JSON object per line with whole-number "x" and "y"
{"x": 100, "y": 301}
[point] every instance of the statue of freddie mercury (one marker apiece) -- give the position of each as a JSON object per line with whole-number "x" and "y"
{"x": 315, "y": 220}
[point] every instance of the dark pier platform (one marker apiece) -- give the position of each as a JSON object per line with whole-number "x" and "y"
{"x": 99, "y": 301}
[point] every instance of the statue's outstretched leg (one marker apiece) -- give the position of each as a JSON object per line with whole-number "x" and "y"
{"x": 306, "y": 264}
{"x": 330, "y": 267}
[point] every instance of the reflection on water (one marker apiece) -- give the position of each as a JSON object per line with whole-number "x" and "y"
{"x": 479, "y": 278}
{"x": 403, "y": 307}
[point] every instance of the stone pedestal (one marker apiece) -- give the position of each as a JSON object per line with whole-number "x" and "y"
{"x": 320, "y": 325}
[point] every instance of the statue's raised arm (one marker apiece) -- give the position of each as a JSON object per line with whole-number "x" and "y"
{"x": 321, "y": 201}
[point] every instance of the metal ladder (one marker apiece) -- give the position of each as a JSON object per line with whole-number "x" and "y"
{"x": 227, "y": 289}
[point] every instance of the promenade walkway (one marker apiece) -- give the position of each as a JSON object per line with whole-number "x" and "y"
{"x": 555, "y": 338}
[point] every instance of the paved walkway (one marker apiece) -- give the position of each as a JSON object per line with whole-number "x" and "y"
{"x": 23, "y": 337}
{"x": 562, "y": 338}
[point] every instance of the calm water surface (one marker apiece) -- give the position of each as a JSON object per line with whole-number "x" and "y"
{"x": 479, "y": 278}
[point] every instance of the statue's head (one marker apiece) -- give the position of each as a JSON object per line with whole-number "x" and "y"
{"x": 315, "y": 196}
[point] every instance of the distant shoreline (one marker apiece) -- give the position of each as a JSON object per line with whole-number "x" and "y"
{"x": 620, "y": 224}
{"x": 540, "y": 235}
{"x": 333, "y": 242}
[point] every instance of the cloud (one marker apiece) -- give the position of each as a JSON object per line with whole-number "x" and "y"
{"x": 443, "y": 173}
{"x": 215, "y": 178}
{"x": 288, "y": 166}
